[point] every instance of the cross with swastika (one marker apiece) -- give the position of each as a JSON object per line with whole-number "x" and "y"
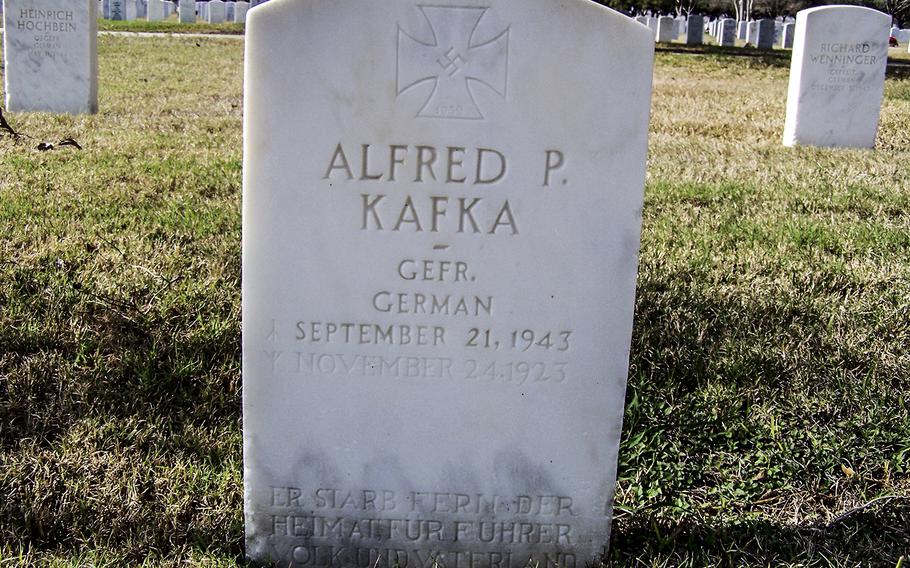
{"x": 454, "y": 61}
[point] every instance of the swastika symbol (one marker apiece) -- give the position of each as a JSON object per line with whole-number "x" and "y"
{"x": 450, "y": 64}
{"x": 456, "y": 60}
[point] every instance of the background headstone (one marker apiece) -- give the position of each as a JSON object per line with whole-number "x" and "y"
{"x": 229, "y": 11}
{"x": 786, "y": 36}
{"x": 764, "y": 34}
{"x": 118, "y": 9}
{"x": 214, "y": 12}
{"x": 666, "y": 29}
{"x": 50, "y": 56}
{"x": 726, "y": 35}
{"x": 695, "y": 30}
{"x": 187, "y": 11}
{"x": 490, "y": 434}
{"x": 240, "y": 11}
{"x": 837, "y": 77}
{"x": 157, "y": 11}
{"x": 742, "y": 29}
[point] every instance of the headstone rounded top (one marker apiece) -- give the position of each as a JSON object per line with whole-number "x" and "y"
{"x": 843, "y": 9}
{"x": 441, "y": 216}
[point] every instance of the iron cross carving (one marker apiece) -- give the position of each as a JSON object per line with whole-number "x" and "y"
{"x": 455, "y": 61}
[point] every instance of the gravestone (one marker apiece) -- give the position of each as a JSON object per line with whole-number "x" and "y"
{"x": 643, "y": 20}
{"x": 50, "y": 56}
{"x": 157, "y": 11}
{"x": 652, "y": 24}
{"x": 437, "y": 291}
{"x": 215, "y": 12}
{"x": 726, "y": 33}
{"x": 229, "y": 11}
{"x": 240, "y": 12}
{"x": 764, "y": 34}
{"x": 118, "y": 9}
{"x": 187, "y": 11}
{"x": 130, "y": 9}
{"x": 742, "y": 29}
{"x": 666, "y": 29}
{"x": 837, "y": 77}
{"x": 786, "y": 36}
{"x": 695, "y": 30}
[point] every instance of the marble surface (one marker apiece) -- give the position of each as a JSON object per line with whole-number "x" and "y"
{"x": 187, "y": 10}
{"x": 764, "y": 34}
{"x": 786, "y": 36}
{"x": 50, "y": 56}
{"x": 441, "y": 221}
{"x": 726, "y": 32}
{"x": 695, "y": 30}
{"x": 666, "y": 29}
{"x": 215, "y": 12}
{"x": 837, "y": 77}
{"x": 240, "y": 11}
{"x": 157, "y": 10}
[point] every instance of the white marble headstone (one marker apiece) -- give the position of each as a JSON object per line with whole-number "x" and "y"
{"x": 695, "y": 30}
{"x": 742, "y": 30}
{"x": 442, "y": 206}
{"x": 187, "y": 11}
{"x": 666, "y": 29}
{"x": 837, "y": 77}
{"x": 786, "y": 36}
{"x": 157, "y": 10}
{"x": 215, "y": 12}
{"x": 726, "y": 32}
{"x": 240, "y": 11}
{"x": 118, "y": 9}
{"x": 764, "y": 34}
{"x": 50, "y": 56}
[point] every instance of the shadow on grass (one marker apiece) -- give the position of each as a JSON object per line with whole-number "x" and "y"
{"x": 871, "y": 538}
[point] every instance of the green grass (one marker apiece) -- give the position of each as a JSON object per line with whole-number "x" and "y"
{"x": 768, "y": 389}
{"x": 171, "y": 26}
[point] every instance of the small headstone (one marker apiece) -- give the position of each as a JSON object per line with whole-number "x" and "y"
{"x": 187, "y": 11}
{"x": 837, "y": 77}
{"x": 215, "y": 12}
{"x": 240, "y": 12}
{"x": 157, "y": 11}
{"x": 437, "y": 291}
{"x": 695, "y": 30}
{"x": 764, "y": 34}
{"x": 118, "y": 10}
{"x": 643, "y": 20}
{"x": 50, "y": 56}
{"x": 742, "y": 29}
{"x": 726, "y": 35}
{"x": 786, "y": 36}
{"x": 229, "y": 11}
{"x": 130, "y": 9}
{"x": 666, "y": 29}
{"x": 652, "y": 24}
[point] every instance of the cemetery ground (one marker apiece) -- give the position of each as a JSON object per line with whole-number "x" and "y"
{"x": 767, "y": 406}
